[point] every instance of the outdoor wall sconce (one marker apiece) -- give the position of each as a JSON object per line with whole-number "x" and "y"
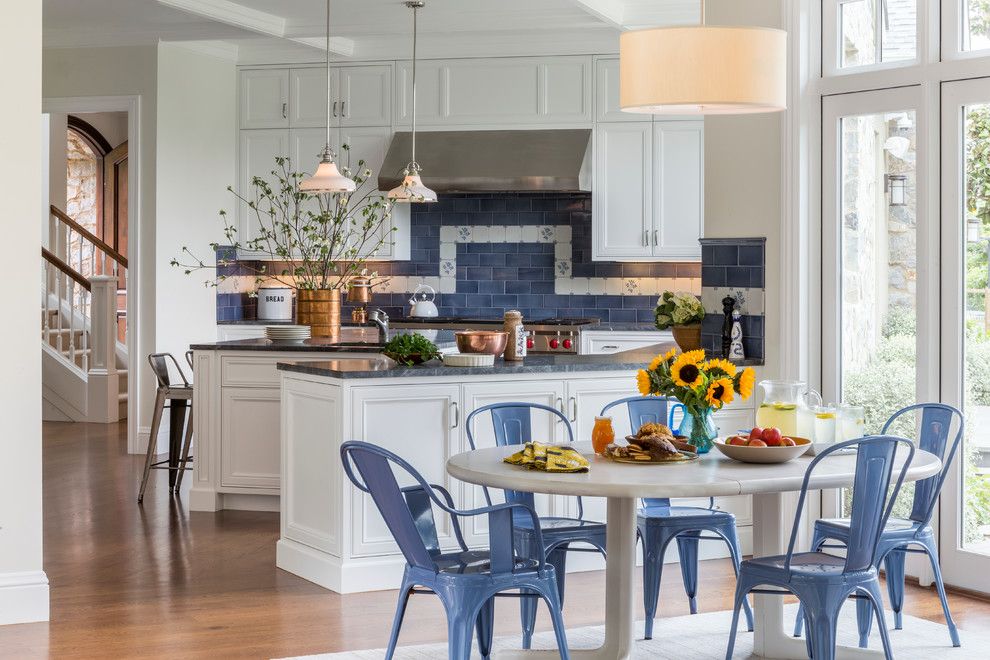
{"x": 896, "y": 186}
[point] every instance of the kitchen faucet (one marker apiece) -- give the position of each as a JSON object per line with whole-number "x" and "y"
{"x": 379, "y": 318}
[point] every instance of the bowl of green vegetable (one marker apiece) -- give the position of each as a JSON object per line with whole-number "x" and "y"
{"x": 411, "y": 349}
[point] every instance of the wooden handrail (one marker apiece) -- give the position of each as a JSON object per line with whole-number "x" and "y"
{"x": 66, "y": 268}
{"x": 90, "y": 236}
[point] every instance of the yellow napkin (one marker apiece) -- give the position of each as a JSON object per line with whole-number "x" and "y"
{"x": 549, "y": 458}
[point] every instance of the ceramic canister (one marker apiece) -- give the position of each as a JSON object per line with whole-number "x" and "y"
{"x": 275, "y": 303}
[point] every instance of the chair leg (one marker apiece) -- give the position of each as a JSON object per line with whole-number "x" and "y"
{"x": 186, "y": 446}
{"x": 816, "y": 543}
{"x": 687, "y": 547}
{"x": 864, "y": 621}
{"x": 876, "y": 601}
{"x": 732, "y": 540}
{"x": 741, "y": 595}
{"x": 822, "y": 632}
{"x": 932, "y": 551}
{"x": 527, "y": 615}
{"x": 556, "y": 616}
{"x": 400, "y": 611}
{"x": 485, "y": 624}
{"x": 156, "y": 422}
{"x": 460, "y": 632}
{"x": 558, "y": 559}
{"x": 654, "y": 549}
{"x": 894, "y": 565}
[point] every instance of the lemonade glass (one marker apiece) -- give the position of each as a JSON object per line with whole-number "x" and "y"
{"x": 782, "y": 399}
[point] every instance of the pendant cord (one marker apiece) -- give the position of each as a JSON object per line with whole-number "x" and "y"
{"x": 702, "y": 12}
{"x": 328, "y": 79}
{"x": 415, "y": 10}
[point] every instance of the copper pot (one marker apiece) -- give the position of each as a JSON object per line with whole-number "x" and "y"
{"x": 359, "y": 290}
{"x": 320, "y": 310}
{"x": 688, "y": 337}
{"x": 489, "y": 342}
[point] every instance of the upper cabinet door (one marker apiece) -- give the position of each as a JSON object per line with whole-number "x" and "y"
{"x": 607, "y": 93}
{"x": 258, "y": 149}
{"x": 679, "y": 174}
{"x": 264, "y": 98}
{"x": 566, "y": 89}
{"x": 622, "y": 204}
{"x": 430, "y": 90}
{"x": 365, "y": 95}
{"x": 308, "y": 97}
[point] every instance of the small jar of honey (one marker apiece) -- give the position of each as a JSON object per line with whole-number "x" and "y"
{"x": 602, "y": 434}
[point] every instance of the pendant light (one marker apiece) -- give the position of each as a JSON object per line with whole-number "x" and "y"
{"x": 703, "y": 70}
{"x": 412, "y": 189}
{"x": 327, "y": 178}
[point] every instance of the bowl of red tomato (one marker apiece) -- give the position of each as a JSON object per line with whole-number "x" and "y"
{"x": 767, "y": 445}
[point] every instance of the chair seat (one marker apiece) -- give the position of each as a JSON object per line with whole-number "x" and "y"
{"x": 896, "y": 528}
{"x": 681, "y": 514}
{"x": 811, "y": 564}
{"x": 552, "y": 524}
{"x": 475, "y": 562}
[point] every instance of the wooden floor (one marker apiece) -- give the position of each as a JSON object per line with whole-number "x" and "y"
{"x": 155, "y": 581}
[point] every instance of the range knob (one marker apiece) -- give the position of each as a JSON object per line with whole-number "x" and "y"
{"x": 530, "y": 343}
{"x": 554, "y": 343}
{"x": 568, "y": 343}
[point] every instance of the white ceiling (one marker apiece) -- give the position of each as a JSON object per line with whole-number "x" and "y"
{"x": 291, "y": 30}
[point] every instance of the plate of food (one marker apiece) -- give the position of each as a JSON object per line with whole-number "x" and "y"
{"x": 653, "y": 444}
{"x": 767, "y": 445}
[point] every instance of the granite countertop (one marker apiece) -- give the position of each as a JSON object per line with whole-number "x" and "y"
{"x": 351, "y": 340}
{"x": 534, "y": 364}
{"x": 604, "y": 326}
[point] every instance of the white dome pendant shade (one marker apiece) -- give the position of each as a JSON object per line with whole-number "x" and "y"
{"x": 703, "y": 70}
{"x": 327, "y": 178}
{"x": 412, "y": 189}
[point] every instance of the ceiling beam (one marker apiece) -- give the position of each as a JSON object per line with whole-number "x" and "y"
{"x": 611, "y": 12}
{"x": 252, "y": 20}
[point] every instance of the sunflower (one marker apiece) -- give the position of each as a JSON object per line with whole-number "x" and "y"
{"x": 662, "y": 359}
{"x": 719, "y": 392}
{"x": 643, "y": 382}
{"x": 686, "y": 370}
{"x": 719, "y": 364}
{"x": 745, "y": 381}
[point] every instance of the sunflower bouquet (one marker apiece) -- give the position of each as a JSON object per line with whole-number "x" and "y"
{"x": 702, "y": 385}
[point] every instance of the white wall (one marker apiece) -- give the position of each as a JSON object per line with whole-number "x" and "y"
{"x": 23, "y": 585}
{"x": 111, "y": 125}
{"x": 742, "y": 171}
{"x": 123, "y": 71}
{"x": 197, "y": 114}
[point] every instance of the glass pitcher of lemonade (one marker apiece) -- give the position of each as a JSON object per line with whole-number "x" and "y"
{"x": 782, "y": 401}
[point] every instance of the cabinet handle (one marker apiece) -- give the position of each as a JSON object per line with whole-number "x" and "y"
{"x": 610, "y": 347}
{"x": 574, "y": 411}
{"x": 334, "y": 108}
{"x": 656, "y": 237}
{"x": 343, "y": 112}
{"x": 285, "y": 111}
{"x": 560, "y": 407}
{"x": 457, "y": 415}
{"x": 646, "y": 238}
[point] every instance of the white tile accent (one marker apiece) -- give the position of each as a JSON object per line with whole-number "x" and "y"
{"x": 563, "y": 251}
{"x": 401, "y": 284}
{"x": 448, "y": 234}
{"x": 563, "y": 233}
{"x": 464, "y": 234}
{"x": 513, "y": 234}
{"x": 448, "y": 285}
{"x": 562, "y": 286}
{"x": 448, "y": 250}
{"x": 562, "y": 268}
{"x": 479, "y": 234}
{"x": 613, "y": 286}
{"x": 546, "y": 234}
{"x": 448, "y": 268}
{"x": 750, "y": 302}
{"x": 496, "y": 234}
{"x": 529, "y": 233}
{"x": 579, "y": 285}
{"x": 596, "y": 286}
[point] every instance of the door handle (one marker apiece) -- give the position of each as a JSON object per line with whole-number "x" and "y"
{"x": 656, "y": 237}
{"x": 560, "y": 407}
{"x": 646, "y": 238}
{"x": 334, "y": 108}
{"x": 285, "y": 111}
{"x": 610, "y": 347}
{"x": 574, "y": 410}
{"x": 457, "y": 414}
{"x": 343, "y": 105}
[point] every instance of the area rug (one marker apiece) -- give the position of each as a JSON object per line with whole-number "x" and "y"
{"x": 704, "y": 636}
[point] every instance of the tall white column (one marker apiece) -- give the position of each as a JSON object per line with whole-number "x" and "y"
{"x": 103, "y": 381}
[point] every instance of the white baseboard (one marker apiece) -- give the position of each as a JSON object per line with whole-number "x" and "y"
{"x": 23, "y": 597}
{"x": 144, "y": 432}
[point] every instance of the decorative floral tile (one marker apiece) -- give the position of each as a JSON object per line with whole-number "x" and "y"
{"x": 562, "y": 268}
{"x": 464, "y": 234}
{"x": 749, "y": 301}
{"x": 630, "y": 286}
{"x": 546, "y": 234}
{"x": 448, "y": 268}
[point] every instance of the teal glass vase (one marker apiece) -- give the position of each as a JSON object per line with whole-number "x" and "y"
{"x": 699, "y": 429}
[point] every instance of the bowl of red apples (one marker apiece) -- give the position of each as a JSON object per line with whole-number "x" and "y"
{"x": 767, "y": 445}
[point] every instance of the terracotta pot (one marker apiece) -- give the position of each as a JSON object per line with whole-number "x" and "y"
{"x": 688, "y": 337}
{"x": 320, "y": 310}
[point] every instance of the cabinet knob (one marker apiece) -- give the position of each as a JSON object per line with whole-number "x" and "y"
{"x": 568, "y": 343}
{"x": 554, "y": 343}
{"x": 530, "y": 343}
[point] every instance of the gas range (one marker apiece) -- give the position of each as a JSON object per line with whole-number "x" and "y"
{"x": 558, "y": 335}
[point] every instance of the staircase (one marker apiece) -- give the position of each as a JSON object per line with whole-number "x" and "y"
{"x": 83, "y": 325}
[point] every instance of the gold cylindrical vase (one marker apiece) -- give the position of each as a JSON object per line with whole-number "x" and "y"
{"x": 688, "y": 337}
{"x": 320, "y": 310}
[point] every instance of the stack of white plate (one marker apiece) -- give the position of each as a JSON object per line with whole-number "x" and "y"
{"x": 287, "y": 332}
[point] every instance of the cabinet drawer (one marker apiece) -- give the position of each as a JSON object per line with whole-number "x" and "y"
{"x": 245, "y": 371}
{"x": 604, "y": 343}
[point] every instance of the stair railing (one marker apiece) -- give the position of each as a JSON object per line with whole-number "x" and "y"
{"x": 65, "y": 318}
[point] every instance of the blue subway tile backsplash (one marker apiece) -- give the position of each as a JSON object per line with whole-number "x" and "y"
{"x": 733, "y": 264}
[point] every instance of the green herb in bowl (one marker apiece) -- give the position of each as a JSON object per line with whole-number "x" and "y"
{"x": 411, "y": 349}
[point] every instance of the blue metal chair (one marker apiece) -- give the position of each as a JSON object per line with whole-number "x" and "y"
{"x": 823, "y": 582}
{"x": 466, "y": 581}
{"x": 513, "y": 426}
{"x": 937, "y": 422}
{"x": 659, "y": 523}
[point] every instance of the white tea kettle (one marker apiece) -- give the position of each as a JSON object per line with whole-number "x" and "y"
{"x": 422, "y": 302}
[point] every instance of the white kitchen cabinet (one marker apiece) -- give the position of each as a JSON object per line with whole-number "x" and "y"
{"x": 607, "y": 95}
{"x": 264, "y": 98}
{"x": 365, "y": 95}
{"x": 648, "y": 193}
{"x": 232, "y": 332}
{"x": 622, "y": 204}
{"x": 605, "y": 342}
{"x": 679, "y": 174}
{"x": 249, "y": 448}
{"x": 496, "y": 92}
{"x": 419, "y": 422}
{"x": 308, "y": 96}
{"x": 258, "y": 150}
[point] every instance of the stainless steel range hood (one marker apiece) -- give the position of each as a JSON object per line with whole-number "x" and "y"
{"x": 556, "y": 160}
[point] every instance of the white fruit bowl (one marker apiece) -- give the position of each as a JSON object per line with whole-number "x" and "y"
{"x": 762, "y": 454}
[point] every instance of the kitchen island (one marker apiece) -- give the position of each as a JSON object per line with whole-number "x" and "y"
{"x": 331, "y": 533}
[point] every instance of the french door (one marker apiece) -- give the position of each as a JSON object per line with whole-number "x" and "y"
{"x": 964, "y": 533}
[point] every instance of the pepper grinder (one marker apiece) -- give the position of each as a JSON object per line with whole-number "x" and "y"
{"x": 728, "y": 308}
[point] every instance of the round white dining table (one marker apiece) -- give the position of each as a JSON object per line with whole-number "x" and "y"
{"x": 712, "y": 475}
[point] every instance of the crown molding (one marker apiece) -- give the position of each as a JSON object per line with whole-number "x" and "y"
{"x": 231, "y": 13}
{"x": 222, "y": 50}
{"x": 610, "y": 12}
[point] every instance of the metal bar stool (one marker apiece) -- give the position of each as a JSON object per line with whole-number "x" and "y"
{"x": 178, "y": 399}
